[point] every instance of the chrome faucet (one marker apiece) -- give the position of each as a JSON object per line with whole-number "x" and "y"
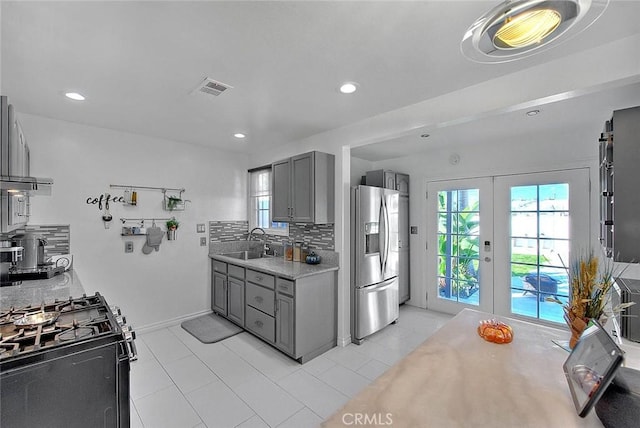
{"x": 252, "y": 236}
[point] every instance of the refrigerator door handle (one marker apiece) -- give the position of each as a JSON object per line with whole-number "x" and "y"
{"x": 385, "y": 220}
{"x": 377, "y": 288}
{"x": 382, "y": 235}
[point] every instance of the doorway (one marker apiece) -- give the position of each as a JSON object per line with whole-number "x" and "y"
{"x": 502, "y": 244}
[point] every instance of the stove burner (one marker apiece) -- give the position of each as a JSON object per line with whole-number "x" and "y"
{"x": 84, "y": 319}
{"x": 73, "y": 304}
{"x": 76, "y": 333}
{"x": 11, "y": 315}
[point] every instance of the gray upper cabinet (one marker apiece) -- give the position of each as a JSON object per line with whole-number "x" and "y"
{"x": 389, "y": 180}
{"x": 281, "y": 185}
{"x": 402, "y": 183}
{"x": 303, "y": 188}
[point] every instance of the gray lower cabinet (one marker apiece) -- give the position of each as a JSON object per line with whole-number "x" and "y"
{"x": 260, "y": 305}
{"x": 227, "y": 291}
{"x": 297, "y": 317}
{"x": 306, "y": 315}
{"x": 219, "y": 287}
{"x": 235, "y": 300}
{"x": 285, "y": 323}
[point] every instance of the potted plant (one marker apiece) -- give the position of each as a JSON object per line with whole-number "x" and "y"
{"x": 173, "y": 202}
{"x": 172, "y": 228}
{"x": 589, "y": 294}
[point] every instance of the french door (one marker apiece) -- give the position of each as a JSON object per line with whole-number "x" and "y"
{"x": 506, "y": 252}
{"x": 459, "y": 247}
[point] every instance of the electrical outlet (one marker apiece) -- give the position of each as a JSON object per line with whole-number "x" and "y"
{"x": 203, "y": 242}
{"x": 128, "y": 246}
{"x": 414, "y": 230}
{"x": 200, "y": 228}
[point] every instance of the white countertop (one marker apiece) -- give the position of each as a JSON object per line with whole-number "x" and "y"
{"x": 35, "y": 292}
{"x": 278, "y": 266}
{"x": 457, "y": 379}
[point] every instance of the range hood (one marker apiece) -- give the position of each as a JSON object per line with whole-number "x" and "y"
{"x": 29, "y": 185}
{"x": 15, "y": 157}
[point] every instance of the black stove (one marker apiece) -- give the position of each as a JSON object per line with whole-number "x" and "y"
{"x": 60, "y": 352}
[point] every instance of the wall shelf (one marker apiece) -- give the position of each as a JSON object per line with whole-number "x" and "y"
{"x": 171, "y": 202}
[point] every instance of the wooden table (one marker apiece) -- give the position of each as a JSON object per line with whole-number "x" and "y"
{"x": 457, "y": 379}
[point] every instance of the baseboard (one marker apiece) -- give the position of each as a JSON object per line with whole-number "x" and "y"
{"x": 168, "y": 323}
{"x": 344, "y": 341}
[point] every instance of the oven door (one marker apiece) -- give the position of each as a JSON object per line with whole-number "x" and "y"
{"x": 79, "y": 390}
{"x": 15, "y": 209}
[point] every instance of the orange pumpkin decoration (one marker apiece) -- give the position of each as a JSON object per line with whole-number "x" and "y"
{"x": 495, "y": 331}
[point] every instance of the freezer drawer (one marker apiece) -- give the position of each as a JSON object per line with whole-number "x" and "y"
{"x": 375, "y": 307}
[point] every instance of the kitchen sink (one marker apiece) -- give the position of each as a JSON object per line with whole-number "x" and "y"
{"x": 245, "y": 255}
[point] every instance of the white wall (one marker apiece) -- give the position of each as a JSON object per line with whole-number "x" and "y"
{"x": 83, "y": 161}
{"x": 542, "y": 151}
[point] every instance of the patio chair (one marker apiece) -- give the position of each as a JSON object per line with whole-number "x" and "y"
{"x": 548, "y": 285}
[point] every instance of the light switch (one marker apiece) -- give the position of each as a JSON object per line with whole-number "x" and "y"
{"x": 414, "y": 230}
{"x": 200, "y": 228}
{"x": 128, "y": 246}
{"x": 203, "y": 242}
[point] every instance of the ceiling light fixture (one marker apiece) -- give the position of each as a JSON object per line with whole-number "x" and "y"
{"x": 348, "y": 87}
{"x": 519, "y": 28}
{"x": 75, "y": 96}
{"x": 424, "y": 135}
{"x": 533, "y": 112}
{"x": 239, "y": 135}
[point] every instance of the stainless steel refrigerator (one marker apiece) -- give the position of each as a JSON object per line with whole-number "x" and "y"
{"x": 374, "y": 260}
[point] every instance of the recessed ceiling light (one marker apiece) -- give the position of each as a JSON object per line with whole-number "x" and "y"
{"x": 348, "y": 87}
{"x": 424, "y": 135}
{"x": 75, "y": 96}
{"x": 239, "y": 135}
{"x": 533, "y": 112}
{"x": 519, "y": 28}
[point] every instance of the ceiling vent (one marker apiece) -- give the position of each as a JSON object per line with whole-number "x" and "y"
{"x": 212, "y": 87}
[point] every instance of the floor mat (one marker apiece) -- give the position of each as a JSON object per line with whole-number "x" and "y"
{"x": 210, "y": 328}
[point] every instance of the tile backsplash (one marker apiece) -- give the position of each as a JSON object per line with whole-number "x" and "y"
{"x": 58, "y": 237}
{"x": 318, "y": 236}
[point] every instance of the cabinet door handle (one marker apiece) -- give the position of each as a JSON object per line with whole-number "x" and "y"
{"x": 258, "y": 323}
{"x": 258, "y": 299}
{"x": 259, "y": 278}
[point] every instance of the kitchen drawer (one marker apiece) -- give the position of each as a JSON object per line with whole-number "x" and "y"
{"x": 261, "y": 278}
{"x": 260, "y": 323}
{"x": 260, "y": 298}
{"x": 236, "y": 271}
{"x": 284, "y": 286}
{"x": 219, "y": 266}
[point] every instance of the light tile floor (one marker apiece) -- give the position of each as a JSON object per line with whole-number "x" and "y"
{"x": 179, "y": 382}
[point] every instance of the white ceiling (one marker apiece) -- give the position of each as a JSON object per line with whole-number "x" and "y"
{"x": 138, "y": 63}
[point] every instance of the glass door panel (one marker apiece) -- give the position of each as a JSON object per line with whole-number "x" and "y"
{"x": 454, "y": 246}
{"x": 536, "y": 237}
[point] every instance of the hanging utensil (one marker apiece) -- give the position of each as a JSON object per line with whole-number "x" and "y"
{"x": 107, "y": 217}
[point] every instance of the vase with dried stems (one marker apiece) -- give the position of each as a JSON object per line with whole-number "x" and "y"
{"x": 590, "y": 286}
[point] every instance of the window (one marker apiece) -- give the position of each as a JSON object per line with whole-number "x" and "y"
{"x": 260, "y": 203}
